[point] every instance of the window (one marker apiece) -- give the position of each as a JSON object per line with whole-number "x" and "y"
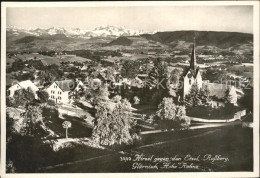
{"x": 59, "y": 97}
{"x": 217, "y": 104}
{"x": 190, "y": 81}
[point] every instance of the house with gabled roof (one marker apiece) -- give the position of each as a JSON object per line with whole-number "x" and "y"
{"x": 23, "y": 85}
{"x": 61, "y": 91}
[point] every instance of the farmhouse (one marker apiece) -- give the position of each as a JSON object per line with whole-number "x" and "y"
{"x": 216, "y": 91}
{"x": 23, "y": 84}
{"x": 63, "y": 91}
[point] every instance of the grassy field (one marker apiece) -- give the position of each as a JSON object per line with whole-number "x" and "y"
{"x": 233, "y": 143}
{"x": 47, "y": 59}
{"x": 77, "y": 130}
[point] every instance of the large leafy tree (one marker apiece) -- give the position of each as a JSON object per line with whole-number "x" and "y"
{"x": 157, "y": 77}
{"x": 171, "y": 115}
{"x": 157, "y": 82}
{"x": 33, "y": 121}
{"x": 43, "y": 96}
{"x": 166, "y": 109}
{"x": 23, "y": 96}
{"x": 114, "y": 127}
{"x": 197, "y": 97}
{"x": 49, "y": 74}
{"x": 193, "y": 98}
{"x": 98, "y": 95}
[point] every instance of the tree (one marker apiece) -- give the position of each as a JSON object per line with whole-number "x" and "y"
{"x": 99, "y": 95}
{"x": 116, "y": 99}
{"x": 114, "y": 127}
{"x": 9, "y": 127}
{"x": 166, "y": 109}
{"x": 157, "y": 77}
{"x": 247, "y": 99}
{"x": 110, "y": 74}
{"x": 171, "y": 115}
{"x": 130, "y": 69}
{"x": 10, "y": 102}
{"x": 43, "y": 96}
{"x": 79, "y": 93}
{"x": 175, "y": 77}
{"x": 66, "y": 125}
{"x": 193, "y": 98}
{"x": 215, "y": 75}
{"x": 33, "y": 121}
{"x": 23, "y": 96}
{"x": 204, "y": 96}
{"x": 157, "y": 82}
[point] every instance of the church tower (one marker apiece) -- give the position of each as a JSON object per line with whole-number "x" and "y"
{"x": 193, "y": 63}
{"x": 193, "y": 75}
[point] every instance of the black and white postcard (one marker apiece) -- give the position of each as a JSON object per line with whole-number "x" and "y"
{"x": 113, "y": 89}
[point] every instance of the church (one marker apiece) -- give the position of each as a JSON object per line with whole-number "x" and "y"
{"x": 217, "y": 91}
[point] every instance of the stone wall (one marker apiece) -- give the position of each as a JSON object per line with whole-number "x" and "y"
{"x": 237, "y": 116}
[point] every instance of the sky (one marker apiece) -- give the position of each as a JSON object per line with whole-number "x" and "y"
{"x": 208, "y": 18}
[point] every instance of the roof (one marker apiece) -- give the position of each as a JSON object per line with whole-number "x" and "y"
{"x": 66, "y": 85}
{"x": 26, "y": 84}
{"x": 193, "y": 72}
{"x": 217, "y": 90}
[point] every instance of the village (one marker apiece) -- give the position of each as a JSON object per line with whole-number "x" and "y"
{"x": 96, "y": 108}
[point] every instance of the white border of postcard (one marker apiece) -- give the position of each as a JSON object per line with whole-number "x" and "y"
{"x": 255, "y": 4}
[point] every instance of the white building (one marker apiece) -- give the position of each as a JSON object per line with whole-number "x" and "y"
{"x": 23, "y": 85}
{"x": 61, "y": 91}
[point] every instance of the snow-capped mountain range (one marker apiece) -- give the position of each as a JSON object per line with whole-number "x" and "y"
{"x": 102, "y": 31}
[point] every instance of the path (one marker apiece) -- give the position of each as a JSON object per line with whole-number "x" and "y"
{"x": 195, "y": 127}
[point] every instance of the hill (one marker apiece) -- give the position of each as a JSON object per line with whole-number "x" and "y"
{"x": 27, "y": 39}
{"x": 122, "y": 41}
{"x": 212, "y": 38}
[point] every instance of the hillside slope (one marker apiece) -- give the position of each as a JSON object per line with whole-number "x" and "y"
{"x": 122, "y": 41}
{"x": 219, "y": 39}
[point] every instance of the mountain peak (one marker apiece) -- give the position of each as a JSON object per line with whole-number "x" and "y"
{"x": 102, "y": 31}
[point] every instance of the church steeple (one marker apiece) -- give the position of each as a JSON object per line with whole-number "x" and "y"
{"x": 193, "y": 63}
